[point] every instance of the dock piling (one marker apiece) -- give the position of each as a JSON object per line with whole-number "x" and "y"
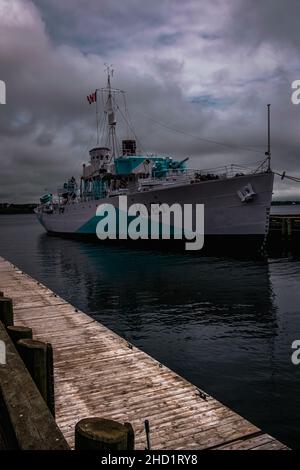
{"x": 103, "y": 434}
{"x": 26, "y": 422}
{"x": 50, "y": 379}
{"x": 6, "y": 311}
{"x": 19, "y": 332}
{"x": 289, "y": 228}
{"x": 283, "y": 228}
{"x": 130, "y": 436}
{"x": 37, "y": 358}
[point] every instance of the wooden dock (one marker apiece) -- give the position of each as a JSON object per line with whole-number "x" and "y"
{"x": 97, "y": 373}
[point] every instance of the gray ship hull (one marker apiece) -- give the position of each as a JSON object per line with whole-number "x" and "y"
{"x": 228, "y": 220}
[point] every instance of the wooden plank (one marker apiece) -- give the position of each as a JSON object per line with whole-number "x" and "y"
{"x": 255, "y": 443}
{"x": 97, "y": 374}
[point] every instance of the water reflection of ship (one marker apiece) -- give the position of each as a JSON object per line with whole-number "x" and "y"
{"x": 174, "y": 289}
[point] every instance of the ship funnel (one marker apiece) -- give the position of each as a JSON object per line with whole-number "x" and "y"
{"x": 129, "y": 147}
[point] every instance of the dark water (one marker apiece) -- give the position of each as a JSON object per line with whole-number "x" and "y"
{"x": 226, "y": 325}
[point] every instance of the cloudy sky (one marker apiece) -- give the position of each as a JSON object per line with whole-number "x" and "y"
{"x": 204, "y": 69}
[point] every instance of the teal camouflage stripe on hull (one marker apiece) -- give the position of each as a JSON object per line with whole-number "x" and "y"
{"x": 90, "y": 227}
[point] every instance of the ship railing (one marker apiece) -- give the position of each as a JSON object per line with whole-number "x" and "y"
{"x": 117, "y": 192}
{"x": 189, "y": 174}
{"x": 170, "y": 176}
{"x": 92, "y": 195}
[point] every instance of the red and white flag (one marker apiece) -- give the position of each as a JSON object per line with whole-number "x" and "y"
{"x": 92, "y": 98}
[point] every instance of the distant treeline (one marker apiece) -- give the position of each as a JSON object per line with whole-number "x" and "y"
{"x": 284, "y": 203}
{"x": 17, "y": 208}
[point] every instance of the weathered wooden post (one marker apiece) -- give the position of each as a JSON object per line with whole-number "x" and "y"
{"x": 130, "y": 436}
{"x": 19, "y": 332}
{"x": 38, "y": 359}
{"x": 289, "y": 228}
{"x": 6, "y": 311}
{"x": 34, "y": 355}
{"x": 103, "y": 434}
{"x": 283, "y": 228}
{"x": 50, "y": 380}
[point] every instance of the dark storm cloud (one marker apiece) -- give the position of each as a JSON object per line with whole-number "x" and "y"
{"x": 275, "y": 21}
{"x": 101, "y": 25}
{"x": 205, "y": 69}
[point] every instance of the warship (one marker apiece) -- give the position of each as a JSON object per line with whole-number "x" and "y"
{"x": 236, "y": 200}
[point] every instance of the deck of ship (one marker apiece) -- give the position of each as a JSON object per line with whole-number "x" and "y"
{"x": 97, "y": 373}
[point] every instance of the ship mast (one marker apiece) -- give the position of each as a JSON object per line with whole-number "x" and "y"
{"x": 111, "y": 118}
{"x": 268, "y": 153}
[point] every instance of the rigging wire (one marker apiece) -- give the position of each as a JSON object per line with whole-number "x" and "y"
{"x": 128, "y": 122}
{"x": 127, "y": 115}
{"x": 289, "y": 177}
{"x": 210, "y": 141}
{"x": 129, "y": 125}
{"x": 83, "y": 151}
{"x": 102, "y": 126}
